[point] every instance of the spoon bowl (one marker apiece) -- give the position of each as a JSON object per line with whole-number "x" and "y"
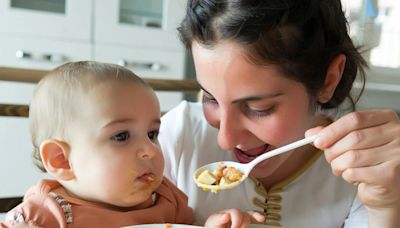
{"x": 245, "y": 168}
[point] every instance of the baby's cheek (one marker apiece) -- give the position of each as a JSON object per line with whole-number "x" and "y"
{"x": 112, "y": 176}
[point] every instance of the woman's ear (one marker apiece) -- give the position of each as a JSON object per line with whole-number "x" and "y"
{"x": 333, "y": 76}
{"x": 54, "y": 156}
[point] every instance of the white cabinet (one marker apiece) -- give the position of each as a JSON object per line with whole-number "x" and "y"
{"x": 144, "y": 62}
{"x": 145, "y": 24}
{"x": 59, "y": 19}
{"x": 43, "y": 34}
{"x": 142, "y": 35}
{"x": 147, "y": 63}
{"x": 40, "y": 53}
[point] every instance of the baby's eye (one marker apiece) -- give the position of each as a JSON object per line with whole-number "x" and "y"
{"x": 120, "y": 137}
{"x": 153, "y": 135}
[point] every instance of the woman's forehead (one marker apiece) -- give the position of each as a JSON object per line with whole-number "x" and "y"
{"x": 228, "y": 62}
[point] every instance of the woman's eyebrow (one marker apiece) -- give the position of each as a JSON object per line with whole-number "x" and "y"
{"x": 201, "y": 87}
{"x": 248, "y": 98}
{"x": 256, "y": 98}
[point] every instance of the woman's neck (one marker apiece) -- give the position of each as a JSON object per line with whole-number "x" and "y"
{"x": 296, "y": 160}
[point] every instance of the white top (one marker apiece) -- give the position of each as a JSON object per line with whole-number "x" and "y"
{"x": 313, "y": 197}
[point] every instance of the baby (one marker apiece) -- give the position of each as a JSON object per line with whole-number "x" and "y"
{"x": 94, "y": 128}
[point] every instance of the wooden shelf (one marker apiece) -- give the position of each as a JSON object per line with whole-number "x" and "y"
{"x": 33, "y": 76}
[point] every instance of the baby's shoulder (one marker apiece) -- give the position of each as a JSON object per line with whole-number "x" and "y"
{"x": 42, "y": 209}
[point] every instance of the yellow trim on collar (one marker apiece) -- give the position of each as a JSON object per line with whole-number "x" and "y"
{"x": 279, "y": 186}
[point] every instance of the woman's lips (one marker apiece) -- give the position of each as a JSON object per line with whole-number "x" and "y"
{"x": 249, "y": 155}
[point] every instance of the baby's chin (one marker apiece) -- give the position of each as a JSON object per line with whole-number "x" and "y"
{"x": 142, "y": 196}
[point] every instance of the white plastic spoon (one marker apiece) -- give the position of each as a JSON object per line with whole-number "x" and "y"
{"x": 247, "y": 167}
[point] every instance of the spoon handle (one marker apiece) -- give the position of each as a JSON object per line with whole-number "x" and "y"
{"x": 281, "y": 150}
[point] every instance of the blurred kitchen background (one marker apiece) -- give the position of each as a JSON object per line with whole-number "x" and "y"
{"x": 141, "y": 35}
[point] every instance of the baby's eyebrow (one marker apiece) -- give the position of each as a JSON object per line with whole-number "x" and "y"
{"x": 119, "y": 121}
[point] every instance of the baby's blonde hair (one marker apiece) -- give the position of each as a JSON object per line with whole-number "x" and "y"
{"x": 54, "y": 102}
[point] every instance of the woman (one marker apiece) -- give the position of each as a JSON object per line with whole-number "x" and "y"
{"x": 272, "y": 72}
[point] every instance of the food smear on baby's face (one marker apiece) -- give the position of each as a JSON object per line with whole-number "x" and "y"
{"x": 147, "y": 178}
{"x": 222, "y": 176}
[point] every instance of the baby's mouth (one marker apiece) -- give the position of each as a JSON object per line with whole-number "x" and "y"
{"x": 246, "y": 156}
{"x": 147, "y": 178}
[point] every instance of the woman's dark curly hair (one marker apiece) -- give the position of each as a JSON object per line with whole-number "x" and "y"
{"x": 299, "y": 37}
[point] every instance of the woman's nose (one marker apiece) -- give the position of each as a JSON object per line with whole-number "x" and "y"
{"x": 229, "y": 131}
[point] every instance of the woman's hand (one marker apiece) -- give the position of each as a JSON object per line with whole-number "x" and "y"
{"x": 364, "y": 148}
{"x": 233, "y": 218}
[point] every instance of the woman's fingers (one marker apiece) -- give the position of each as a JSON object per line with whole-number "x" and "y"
{"x": 352, "y": 122}
{"x": 373, "y": 137}
{"x": 378, "y": 184}
{"x": 355, "y": 159}
{"x": 359, "y": 139}
{"x": 363, "y": 157}
{"x": 364, "y": 148}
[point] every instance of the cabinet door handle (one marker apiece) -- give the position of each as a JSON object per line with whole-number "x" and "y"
{"x": 153, "y": 66}
{"x": 48, "y": 57}
{"x": 20, "y": 54}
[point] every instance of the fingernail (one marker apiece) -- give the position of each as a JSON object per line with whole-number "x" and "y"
{"x": 318, "y": 142}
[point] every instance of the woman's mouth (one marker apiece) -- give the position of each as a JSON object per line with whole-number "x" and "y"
{"x": 246, "y": 156}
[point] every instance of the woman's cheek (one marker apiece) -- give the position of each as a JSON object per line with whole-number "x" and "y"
{"x": 278, "y": 131}
{"x": 211, "y": 115}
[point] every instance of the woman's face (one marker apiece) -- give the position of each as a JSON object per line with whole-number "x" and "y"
{"x": 255, "y": 108}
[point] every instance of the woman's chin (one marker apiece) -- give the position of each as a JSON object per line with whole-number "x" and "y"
{"x": 265, "y": 169}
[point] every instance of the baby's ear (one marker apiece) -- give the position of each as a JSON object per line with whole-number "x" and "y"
{"x": 54, "y": 156}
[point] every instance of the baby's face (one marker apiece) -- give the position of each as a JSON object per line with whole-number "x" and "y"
{"x": 115, "y": 154}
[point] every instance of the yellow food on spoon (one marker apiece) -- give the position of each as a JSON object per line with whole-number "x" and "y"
{"x": 224, "y": 181}
{"x": 222, "y": 176}
{"x": 206, "y": 177}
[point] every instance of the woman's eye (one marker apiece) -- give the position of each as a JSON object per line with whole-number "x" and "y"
{"x": 120, "y": 137}
{"x": 260, "y": 113}
{"x": 153, "y": 135}
{"x": 208, "y": 99}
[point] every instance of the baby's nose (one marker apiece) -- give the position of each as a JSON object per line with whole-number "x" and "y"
{"x": 147, "y": 152}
